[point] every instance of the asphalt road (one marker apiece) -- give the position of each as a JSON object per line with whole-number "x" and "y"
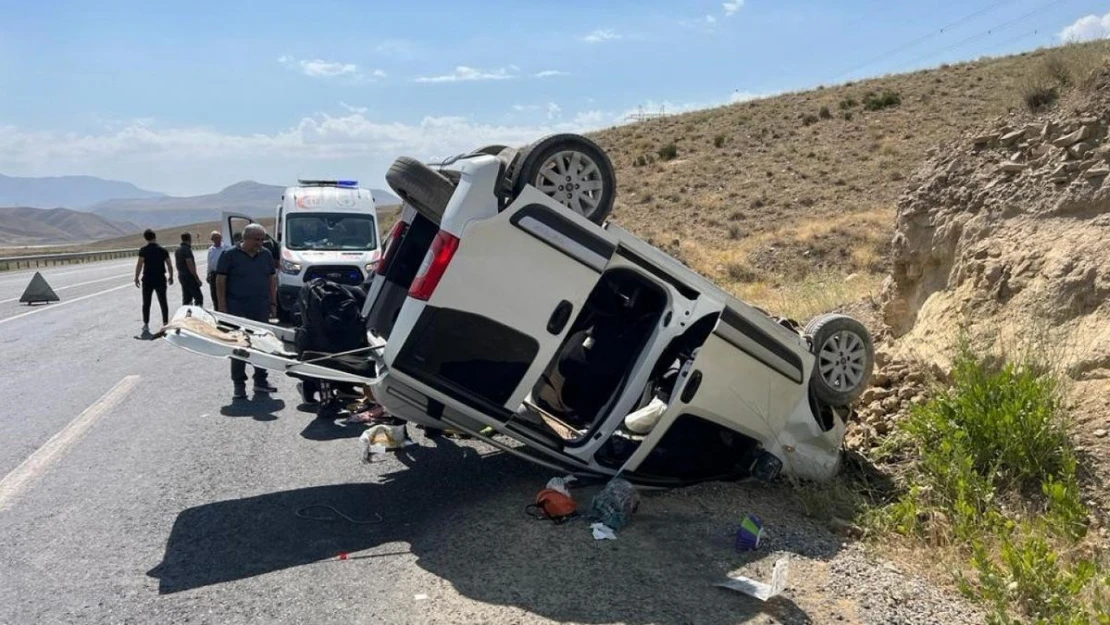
{"x": 134, "y": 490}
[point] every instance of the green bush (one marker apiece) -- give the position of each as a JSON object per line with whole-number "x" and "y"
{"x": 668, "y": 152}
{"x": 847, "y": 103}
{"x": 824, "y": 113}
{"x": 718, "y": 141}
{"x": 997, "y": 478}
{"x": 878, "y": 102}
{"x": 809, "y": 120}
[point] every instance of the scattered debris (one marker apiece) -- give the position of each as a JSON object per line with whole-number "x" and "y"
{"x": 749, "y": 533}
{"x": 603, "y": 532}
{"x": 615, "y": 504}
{"x": 554, "y": 504}
{"x": 758, "y": 589}
{"x": 561, "y": 484}
{"x": 381, "y": 438}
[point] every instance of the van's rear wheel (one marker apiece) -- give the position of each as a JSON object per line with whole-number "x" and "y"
{"x": 425, "y": 189}
{"x": 572, "y": 170}
{"x": 845, "y": 359}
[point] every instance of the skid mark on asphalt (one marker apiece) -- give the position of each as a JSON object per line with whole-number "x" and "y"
{"x": 38, "y": 463}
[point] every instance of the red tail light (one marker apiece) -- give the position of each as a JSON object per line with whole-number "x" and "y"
{"x": 434, "y": 266}
{"x": 395, "y": 235}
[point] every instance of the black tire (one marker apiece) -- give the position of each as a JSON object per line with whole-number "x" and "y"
{"x": 425, "y": 189}
{"x": 532, "y": 159}
{"x": 492, "y": 150}
{"x": 848, "y": 359}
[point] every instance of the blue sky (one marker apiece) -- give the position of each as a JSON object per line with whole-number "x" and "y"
{"x": 186, "y": 98}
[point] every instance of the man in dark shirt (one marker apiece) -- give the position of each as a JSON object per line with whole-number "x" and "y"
{"x": 187, "y": 272}
{"x": 246, "y": 285}
{"x": 154, "y": 265}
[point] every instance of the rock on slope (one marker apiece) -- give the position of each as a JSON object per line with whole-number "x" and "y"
{"x": 1006, "y": 236}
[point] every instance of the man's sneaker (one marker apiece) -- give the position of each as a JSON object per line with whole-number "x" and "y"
{"x": 264, "y": 387}
{"x": 240, "y": 392}
{"x": 145, "y": 334}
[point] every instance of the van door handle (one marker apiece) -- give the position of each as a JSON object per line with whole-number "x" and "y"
{"x": 691, "y": 388}
{"x": 559, "y": 317}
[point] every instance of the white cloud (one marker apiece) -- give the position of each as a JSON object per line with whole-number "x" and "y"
{"x": 710, "y": 19}
{"x": 732, "y": 7}
{"x": 353, "y": 109}
{"x": 602, "y": 34}
{"x": 194, "y": 160}
{"x": 188, "y": 160}
{"x": 463, "y": 73}
{"x": 319, "y": 68}
{"x": 1087, "y": 28}
{"x": 547, "y": 73}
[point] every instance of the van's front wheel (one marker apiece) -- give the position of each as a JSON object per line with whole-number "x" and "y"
{"x": 845, "y": 359}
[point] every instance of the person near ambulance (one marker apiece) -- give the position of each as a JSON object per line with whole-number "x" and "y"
{"x": 187, "y": 275}
{"x": 246, "y": 286}
{"x": 214, "y": 252}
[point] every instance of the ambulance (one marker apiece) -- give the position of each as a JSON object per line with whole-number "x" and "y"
{"x": 322, "y": 229}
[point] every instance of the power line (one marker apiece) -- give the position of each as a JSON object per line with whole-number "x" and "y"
{"x": 924, "y": 37}
{"x": 986, "y": 33}
{"x": 1013, "y": 40}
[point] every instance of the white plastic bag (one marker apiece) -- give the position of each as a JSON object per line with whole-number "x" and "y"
{"x": 379, "y": 439}
{"x": 643, "y": 420}
{"x": 561, "y": 484}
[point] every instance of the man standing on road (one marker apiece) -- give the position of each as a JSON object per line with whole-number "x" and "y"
{"x": 187, "y": 272}
{"x": 214, "y": 252}
{"x": 246, "y": 286}
{"x": 154, "y": 265}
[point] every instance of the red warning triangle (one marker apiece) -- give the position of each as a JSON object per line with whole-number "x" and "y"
{"x": 38, "y": 291}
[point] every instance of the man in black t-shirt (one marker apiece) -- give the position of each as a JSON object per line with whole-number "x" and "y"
{"x": 155, "y": 266}
{"x": 187, "y": 274}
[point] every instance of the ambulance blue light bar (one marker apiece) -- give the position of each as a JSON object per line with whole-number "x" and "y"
{"x": 350, "y": 184}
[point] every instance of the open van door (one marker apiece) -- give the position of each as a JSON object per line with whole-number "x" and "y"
{"x": 232, "y": 225}
{"x": 745, "y": 385}
{"x": 499, "y": 298}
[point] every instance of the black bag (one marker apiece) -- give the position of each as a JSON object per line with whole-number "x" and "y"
{"x": 330, "y": 318}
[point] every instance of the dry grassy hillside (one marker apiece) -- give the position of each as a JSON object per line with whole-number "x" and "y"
{"x": 782, "y": 198}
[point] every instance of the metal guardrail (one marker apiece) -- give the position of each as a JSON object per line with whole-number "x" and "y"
{"x": 71, "y": 258}
{"x": 74, "y": 258}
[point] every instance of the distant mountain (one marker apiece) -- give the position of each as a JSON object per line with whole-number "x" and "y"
{"x": 68, "y": 191}
{"x": 36, "y": 226}
{"x": 250, "y": 198}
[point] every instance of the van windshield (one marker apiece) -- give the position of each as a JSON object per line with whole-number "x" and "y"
{"x": 331, "y": 231}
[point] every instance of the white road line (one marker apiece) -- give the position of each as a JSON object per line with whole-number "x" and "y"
{"x": 15, "y": 278}
{"x": 70, "y": 286}
{"x": 55, "y": 306}
{"x": 36, "y": 464}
